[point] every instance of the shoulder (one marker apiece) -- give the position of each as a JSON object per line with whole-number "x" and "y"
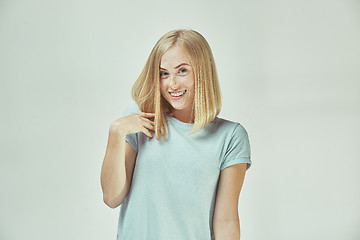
{"x": 132, "y": 108}
{"x": 230, "y": 127}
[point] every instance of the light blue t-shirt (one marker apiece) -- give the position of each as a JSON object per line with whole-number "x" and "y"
{"x": 173, "y": 190}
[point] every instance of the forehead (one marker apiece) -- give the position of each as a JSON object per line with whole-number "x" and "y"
{"x": 173, "y": 57}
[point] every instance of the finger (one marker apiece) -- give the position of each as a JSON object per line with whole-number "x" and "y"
{"x": 146, "y": 132}
{"x": 147, "y": 115}
{"x": 149, "y": 126}
{"x": 148, "y": 121}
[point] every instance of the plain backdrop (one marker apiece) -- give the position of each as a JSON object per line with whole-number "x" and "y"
{"x": 289, "y": 72}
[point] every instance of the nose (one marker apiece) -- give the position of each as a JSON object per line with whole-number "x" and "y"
{"x": 173, "y": 82}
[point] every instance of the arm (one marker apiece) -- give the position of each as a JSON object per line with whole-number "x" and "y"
{"x": 226, "y": 224}
{"x": 117, "y": 168}
{"x": 119, "y": 160}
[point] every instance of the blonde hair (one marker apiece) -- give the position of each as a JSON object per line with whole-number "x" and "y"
{"x": 146, "y": 89}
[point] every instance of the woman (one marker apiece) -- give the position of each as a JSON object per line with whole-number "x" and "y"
{"x": 185, "y": 183}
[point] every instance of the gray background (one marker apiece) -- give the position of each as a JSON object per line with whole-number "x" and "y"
{"x": 289, "y": 73}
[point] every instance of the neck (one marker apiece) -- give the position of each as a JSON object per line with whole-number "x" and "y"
{"x": 184, "y": 116}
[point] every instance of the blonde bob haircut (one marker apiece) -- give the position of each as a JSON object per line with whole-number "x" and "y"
{"x": 207, "y": 99}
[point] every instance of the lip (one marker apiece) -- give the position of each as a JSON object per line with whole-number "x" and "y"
{"x": 178, "y": 97}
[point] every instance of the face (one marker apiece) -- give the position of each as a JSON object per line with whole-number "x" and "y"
{"x": 177, "y": 83}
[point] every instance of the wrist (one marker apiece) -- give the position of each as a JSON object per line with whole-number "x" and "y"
{"x": 116, "y": 129}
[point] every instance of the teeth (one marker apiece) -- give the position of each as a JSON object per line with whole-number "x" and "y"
{"x": 177, "y": 94}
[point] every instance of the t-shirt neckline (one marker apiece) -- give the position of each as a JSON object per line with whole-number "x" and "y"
{"x": 179, "y": 123}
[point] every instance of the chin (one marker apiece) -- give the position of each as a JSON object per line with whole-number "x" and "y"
{"x": 177, "y": 107}
{"x": 181, "y": 108}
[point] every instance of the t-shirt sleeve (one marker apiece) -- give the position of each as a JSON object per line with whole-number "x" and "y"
{"x": 132, "y": 138}
{"x": 238, "y": 149}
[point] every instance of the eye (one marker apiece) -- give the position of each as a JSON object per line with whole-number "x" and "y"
{"x": 183, "y": 71}
{"x": 163, "y": 74}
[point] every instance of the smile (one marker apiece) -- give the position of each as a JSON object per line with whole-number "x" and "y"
{"x": 177, "y": 94}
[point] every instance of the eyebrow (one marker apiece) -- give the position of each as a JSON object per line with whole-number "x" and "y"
{"x": 181, "y": 64}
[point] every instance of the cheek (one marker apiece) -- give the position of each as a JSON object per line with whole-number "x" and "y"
{"x": 162, "y": 88}
{"x": 191, "y": 83}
